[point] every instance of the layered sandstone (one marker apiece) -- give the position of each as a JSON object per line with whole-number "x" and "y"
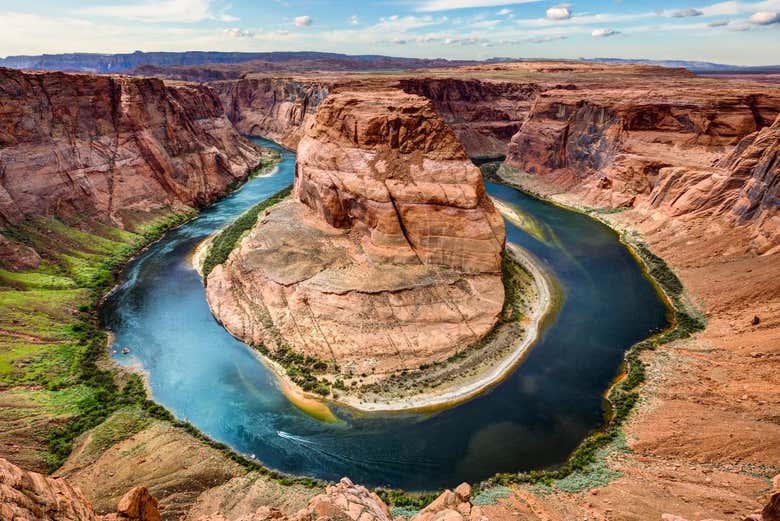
{"x": 117, "y": 149}
{"x": 483, "y": 114}
{"x": 387, "y": 257}
{"x": 274, "y": 108}
{"x": 688, "y": 150}
{"x": 29, "y": 496}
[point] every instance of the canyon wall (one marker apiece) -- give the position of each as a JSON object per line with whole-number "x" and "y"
{"x": 390, "y": 245}
{"x": 687, "y": 150}
{"x": 275, "y": 108}
{"x": 484, "y": 115}
{"x": 113, "y": 148}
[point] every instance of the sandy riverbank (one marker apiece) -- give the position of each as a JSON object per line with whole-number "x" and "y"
{"x": 459, "y": 390}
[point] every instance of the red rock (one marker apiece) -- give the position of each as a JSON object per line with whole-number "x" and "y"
{"x": 17, "y": 256}
{"x": 118, "y": 149}
{"x": 275, "y": 108}
{"x": 29, "y": 496}
{"x": 389, "y": 256}
{"x": 138, "y": 505}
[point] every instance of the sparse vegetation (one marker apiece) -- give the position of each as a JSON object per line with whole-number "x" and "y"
{"x": 54, "y": 338}
{"x": 225, "y": 241}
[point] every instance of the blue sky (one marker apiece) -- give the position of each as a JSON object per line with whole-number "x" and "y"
{"x": 739, "y": 32}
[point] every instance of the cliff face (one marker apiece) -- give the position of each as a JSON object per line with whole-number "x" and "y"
{"x": 689, "y": 152}
{"x": 389, "y": 247}
{"x": 484, "y": 115}
{"x": 275, "y": 108}
{"x": 113, "y": 148}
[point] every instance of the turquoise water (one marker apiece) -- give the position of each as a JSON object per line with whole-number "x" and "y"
{"x": 531, "y": 420}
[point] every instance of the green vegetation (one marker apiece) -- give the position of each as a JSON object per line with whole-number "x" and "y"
{"x": 300, "y": 368}
{"x": 225, "y": 241}
{"x": 404, "y": 503}
{"x": 51, "y": 340}
{"x": 490, "y": 495}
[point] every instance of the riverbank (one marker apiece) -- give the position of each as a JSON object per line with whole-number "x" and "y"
{"x": 689, "y": 409}
{"x": 483, "y": 368}
{"x": 436, "y": 386}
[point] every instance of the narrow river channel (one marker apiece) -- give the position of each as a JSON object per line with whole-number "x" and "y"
{"x": 533, "y": 419}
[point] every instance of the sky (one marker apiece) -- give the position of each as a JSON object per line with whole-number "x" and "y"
{"x": 735, "y": 32}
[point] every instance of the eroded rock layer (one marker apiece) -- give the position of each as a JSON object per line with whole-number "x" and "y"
{"x": 685, "y": 150}
{"x": 275, "y": 108}
{"x": 117, "y": 149}
{"x": 387, "y": 257}
{"x": 618, "y": 136}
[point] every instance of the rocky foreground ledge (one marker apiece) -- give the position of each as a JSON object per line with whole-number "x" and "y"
{"x": 386, "y": 261}
{"x": 28, "y": 496}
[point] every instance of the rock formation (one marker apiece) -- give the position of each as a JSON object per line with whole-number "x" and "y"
{"x": 387, "y": 257}
{"x": 114, "y": 148}
{"x": 275, "y": 108}
{"x": 483, "y": 114}
{"x": 687, "y": 151}
{"x": 29, "y": 496}
{"x": 619, "y": 136}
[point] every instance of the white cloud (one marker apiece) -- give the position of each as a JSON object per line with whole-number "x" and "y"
{"x": 183, "y": 11}
{"x": 504, "y": 12}
{"x": 603, "y": 33}
{"x": 719, "y": 23}
{"x": 354, "y": 20}
{"x": 764, "y": 18}
{"x": 559, "y": 12}
{"x": 684, "y": 13}
{"x": 446, "y": 5}
{"x": 731, "y": 8}
{"x": 302, "y": 21}
{"x": 590, "y": 19}
{"x": 235, "y": 32}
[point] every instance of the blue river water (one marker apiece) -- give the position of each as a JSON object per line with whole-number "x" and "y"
{"x": 533, "y": 419}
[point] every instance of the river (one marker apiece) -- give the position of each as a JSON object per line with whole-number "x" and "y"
{"x": 533, "y": 419}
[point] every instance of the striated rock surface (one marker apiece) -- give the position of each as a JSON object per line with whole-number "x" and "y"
{"x": 686, "y": 150}
{"x": 29, "y": 496}
{"x": 483, "y": 114}
{"x": 114, "y": 148}
{"x": 276, "y": 108}
{"x": 387, "y": 257}
{"x": 349, "y": 502}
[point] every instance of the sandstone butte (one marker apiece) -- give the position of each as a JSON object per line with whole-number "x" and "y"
{"x": 121, "y": 150}
{"x": 687, "y": 164}
{"x": 387, "y": 257}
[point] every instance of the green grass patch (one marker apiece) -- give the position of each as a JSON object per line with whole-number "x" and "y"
{"x": 225, "y": 241}
{"x": 49, "y": 332}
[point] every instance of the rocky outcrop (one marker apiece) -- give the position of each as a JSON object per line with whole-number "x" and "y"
{"x": 387, "y": 258}
{"x": 275, "y": 108}
{"x": 29, "y": 496}
{"x": 452, "y": 505}
{"x": 117, "y": 149}
{"x": 17, "y": 256}
{"x": 689, "y": 151}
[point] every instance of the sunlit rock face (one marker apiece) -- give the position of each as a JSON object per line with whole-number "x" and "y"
{"x": 117, "y": 149}
{"x": 388, "y": 255}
